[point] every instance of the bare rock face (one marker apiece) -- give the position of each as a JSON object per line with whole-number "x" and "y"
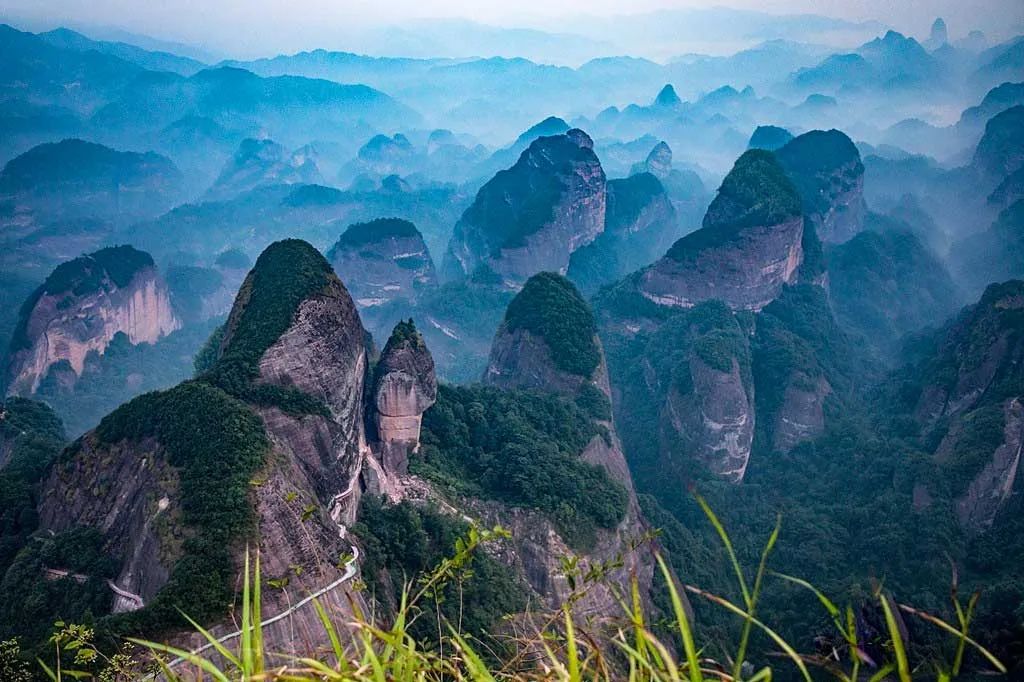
{"x": 289, "y": 382}
{"x": 802, "y": 414}
{"x": 972, "y": 385}
{"x": 80, "y": 308}
{"x": 715, "y": 420}
{"x": 548, "y": 342}
{"x": 533, "y": 216}
{"x": 382, "y": 261}
{"x": 749, "y": 247}
{"x": 659, "y": 161}
{"x": 985, "y": 352}
{"x": 640, "y": 225}
{"x": 130, "y": 494}
{"x": 976, "y": 508}
{"x": 404, "y": 387}
{"x": 826, "y": 169}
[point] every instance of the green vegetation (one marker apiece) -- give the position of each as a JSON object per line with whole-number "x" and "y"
{"x": 594, "y": 402}
{"x": 207, "y": 355}
{"x": 887, "y": 284}
{"x": 649, "y": 365}
{"x": 564, "y": 646}
{"x": 755, "y": 192}
{"x": 521, "y": 449}
{"x": 120, "y": 373}
{"x": 361, "y": 234}
{"x": 517, "y": 202}
{"x": 813, "y": 161}
{"x": 30, "y": 603}
{"x": 550, "y": 307}
{"x": 31, "y": 436}
{"x": 628, "y": 196}
{"x": 286, "y": 274}
{"x": 217, "y": 444}
{"x": 403, "y": 541}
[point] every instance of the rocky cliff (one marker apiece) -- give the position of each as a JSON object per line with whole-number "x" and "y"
{"x": 640, "y": 224}
{"x": 826, "y": 169}
{"x": 267, "y": 445}
{"x": 548, "y": 342}
{"x": 404, "y": 387}
{"x": 80, "y": 307}
{"x": 533, "y": 216}
{"x": 684, "y": 187}
{"x": 1000, "y": 151}
{"x": 967, "y": 388}
{"x": 749, "y": 246}
{"x": 384, "y": 260}
{"x": 258, "y": 163}
{"x": 78, "y": 179}
{"x": 686, "y": 379}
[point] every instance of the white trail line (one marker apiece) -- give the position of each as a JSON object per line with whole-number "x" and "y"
{"x": 78, "y": 577}
{"x": 350, "y": 570}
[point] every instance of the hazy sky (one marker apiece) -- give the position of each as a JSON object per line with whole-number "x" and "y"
{"x": 244, "y": 27}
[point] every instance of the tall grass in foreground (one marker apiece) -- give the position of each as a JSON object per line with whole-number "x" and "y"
{"x": 558, "y": 649}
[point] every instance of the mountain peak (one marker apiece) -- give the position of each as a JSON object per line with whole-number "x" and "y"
{"x": 548, "y": 338}
{"x": 667, "y": 97}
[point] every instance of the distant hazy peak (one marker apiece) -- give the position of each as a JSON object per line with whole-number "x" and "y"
{"x": 667, "y": 97}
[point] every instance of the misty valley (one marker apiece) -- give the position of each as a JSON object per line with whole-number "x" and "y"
{"x": 547, "y": 364}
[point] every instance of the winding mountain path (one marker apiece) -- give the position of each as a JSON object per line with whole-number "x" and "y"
{"x": 351, "y": 568}
{"x": 135, "y": 599}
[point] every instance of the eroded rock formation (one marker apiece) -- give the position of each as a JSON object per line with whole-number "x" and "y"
{"x": 749, "y": 246}
{"x": 404, "y": 387}
{"x": 826, "y": 169}
{"x": 533, "y": 216}
{"x": 80, "y": 308}
{"x": 385, "y": 260}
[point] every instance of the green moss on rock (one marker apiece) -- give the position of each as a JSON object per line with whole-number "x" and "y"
{"x": 755, "y": 192}
{"x": 551, "y": 307}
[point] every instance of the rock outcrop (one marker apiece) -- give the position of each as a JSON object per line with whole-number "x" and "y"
{"x": 684, "y": 187}
{"x": 533, "y": 216}
{"x": 548, "y": 342}
{"x": 404, "y": 387}
{"x": 969, "y": 391}
{"x": 383, "y": 260}
{"x": 80, "y": 307}
{"x": 769, "y": 137}
{"x": 989, "y": 489}
{"x": 259, "y": 163}
{"x": 801, "y": 417}
{"x": 640, "y": 225}
{"x": 750, "y": 244}
{"x": 826, "y": 169}
{"x": 1000, "y": 151}
{"x": 282, "y": 440}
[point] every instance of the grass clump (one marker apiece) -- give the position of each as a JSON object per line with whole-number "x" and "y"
{"x": 551, "y": 307}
